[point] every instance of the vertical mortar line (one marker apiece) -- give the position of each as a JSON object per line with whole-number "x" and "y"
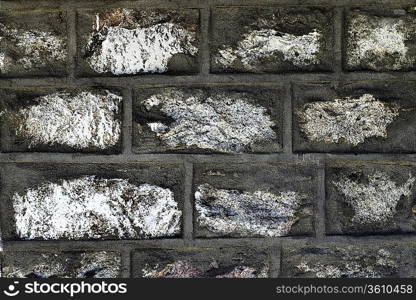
{"x": 275, "y": 260}
{"x": 204, "y": 57}
{"x": 338, "y": 41}
{"x": 72, "y": 43}
{"x": 188, "y": 208}
{"x": 287, "y": 119}
{"x": 127, "y": 121}
{"x": 125, "y": 271}
{"x": 280, "y": 248}
{"x": 320, "y": 206}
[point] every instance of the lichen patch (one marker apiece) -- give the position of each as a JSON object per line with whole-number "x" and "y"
{"x": 349, "y": 120}
{"x": 83, "y": 120}
{"x": 380, "y": 264}
{"x": 92, "y": 207}
{"x": 220, "y": 122}
{"x": 378, "y": 43}
{"x": 119, "y": 46}
{"x": 97, "y": 264}
{"x": 185, "y": 269}
{"x": 246, "y": 213}
{"x": 35, "y": 48}
{"x": 374, "y": 202}
{"x": 177, "y": 269}
{"x": 259, "y": 45}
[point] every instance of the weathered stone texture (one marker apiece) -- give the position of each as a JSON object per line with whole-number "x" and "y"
{"x": 201, "y": 120}
{"x": 202, "y": 263}
{"x": 380, "y": 39}
{"x": 60, "y": 120}
{"x": 66, "y": 264}
{"x": 87, "y": 201}
{"x": 33, "y": 43}
{"x": 195, "y": 136}
{"x": 349, "y": 261}
{"x": 138, "y": 41}
{"x": 354, "y": 117}
{"x": 370, "y": 198}
{"x": 266, "y": 39}
{"x": 247, "y": 200}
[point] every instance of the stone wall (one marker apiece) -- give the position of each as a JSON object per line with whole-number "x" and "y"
{"x": 208, "y": 138}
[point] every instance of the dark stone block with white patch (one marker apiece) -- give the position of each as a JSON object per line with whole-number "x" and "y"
{"x": 370, "y": 198}
{"x": 233, "y": 119}
{"x": 65, "y": 264}
{"x": 126, "y": 41}
{"x": 33, "y": 43}
{"x": 202, "y": 263}
{"x": 380, "y": 39}
{"x": 360, "y": 117}
{"x": 61, "y": 120}
{"x": 378, "y": 260}
{"x": 270, "y": 40}
{"x": 64, "y": 201}
{"x": 254, "y": 200}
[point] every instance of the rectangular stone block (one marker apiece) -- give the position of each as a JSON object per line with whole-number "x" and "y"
{"x": 64, "y": 201}
{"x": 359, "y": 117}
{"x": 65, "y": 264}
{"x": 378, "y": 260}
{"x": 254, "y": 200}
{"x": 202, "y": 263}
{"x": 125, "y": 41}
{"x": 60, "y": 120}
{"x": 380, "y": 39}
{"x": 231, "y": 119}
{"x": 370, "y": 197}
{"x": 33, "y": 43}
{"x": 270, "y": 40}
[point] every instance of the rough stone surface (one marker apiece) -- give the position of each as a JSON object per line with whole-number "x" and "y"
{"x": 131, "y": 41}
{"x": 92, "y": 207}
{"x": 202, "y": 263}
{"x": 138, "y": 127}
{"x": 352, "y": 120}
{"x": 67, "y": 264}
{"x": 60, "y": 120}
{"x": 256, "y": 213}
{"x": 92, "y": 201}
{"x": 348, "y": 261}
{"x": 270, "y": 39}
{"x": 365, "y": 198}
{"x": 207, "y": 120}
{"x": 253, "y": 200}
{"x": 354, "y": 116}
{"x": 381, "y": 39}
{"x": 33, "y": 43}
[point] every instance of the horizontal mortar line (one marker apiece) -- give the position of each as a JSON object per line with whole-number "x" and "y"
{"x": 96, "y": 4}
{"x": 374, "y": 157}
{"x": 315, "y": 158}
{"x": 188, "y": 3}
{"x": 201, "y": 243}
{"x": 143, "y": 81}
{"x": 132, "y": 158}
{"x": 136, "y": 244}
{"x": 370, "y": 238}
{"x": 311, "y": 3}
